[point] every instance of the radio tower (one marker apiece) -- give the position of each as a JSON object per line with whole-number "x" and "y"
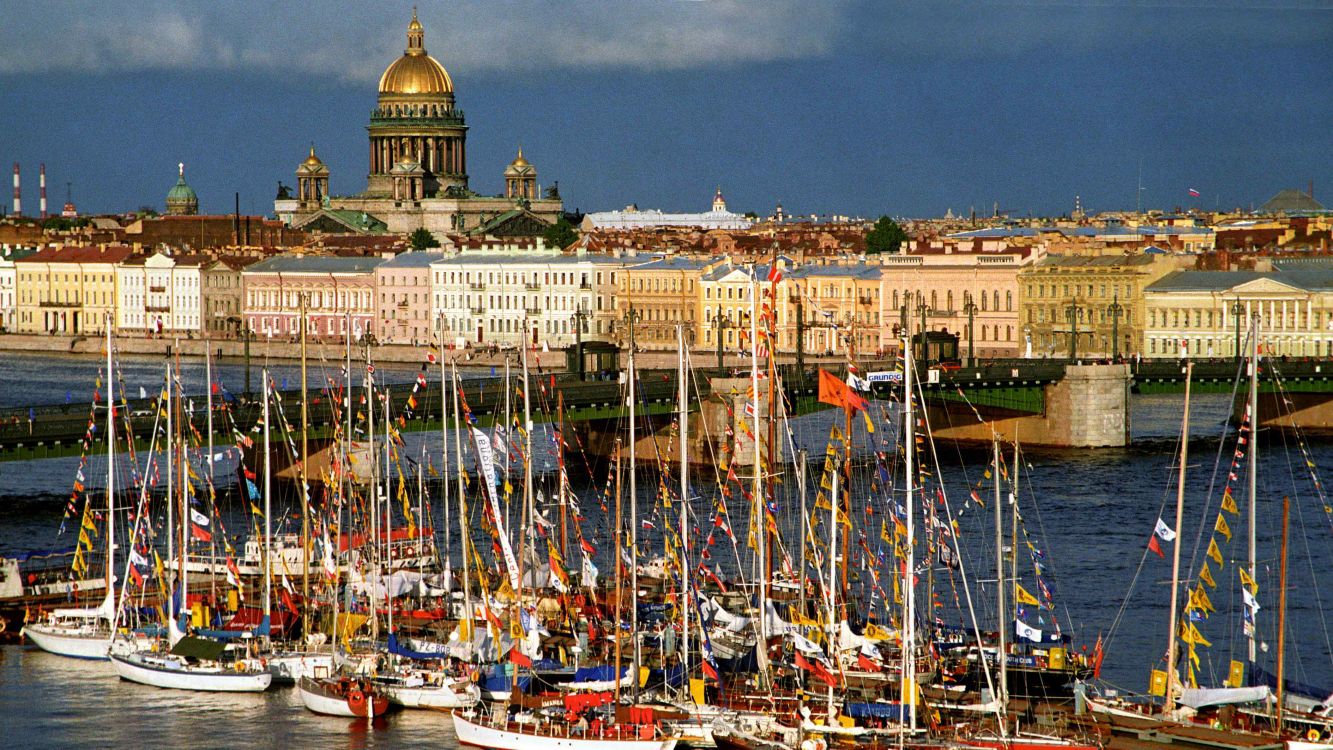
{"x": 41, "y": 190}
{"x": 18, "y": 195}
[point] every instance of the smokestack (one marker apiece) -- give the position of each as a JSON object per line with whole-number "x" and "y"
{"x": 18, "y": 195}
{"x": 41, "y": 189}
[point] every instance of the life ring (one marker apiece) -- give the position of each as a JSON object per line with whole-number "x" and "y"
{"x": 1312, "y": 735}
{"x": 356, "y": 700}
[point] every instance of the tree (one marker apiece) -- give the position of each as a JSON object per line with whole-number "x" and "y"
{"x": 422, "y": 239}
{"x": 886, "y": 237}
{"x": 560, "y": 234}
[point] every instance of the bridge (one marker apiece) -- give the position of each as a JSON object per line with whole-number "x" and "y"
{"x": 1049, "y": 402}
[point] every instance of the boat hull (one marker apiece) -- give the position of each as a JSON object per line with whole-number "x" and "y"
{"x": 443, "y": 697}
{"x": 355, "y": 704}
{"x": 136, "y": 668}
{"x": 480, "y": 735}
{"x": 70, "y": 642}
{"x": 288, "y": 668}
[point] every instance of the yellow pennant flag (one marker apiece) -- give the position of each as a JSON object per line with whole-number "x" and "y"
{"x": 870, "y": 426}
{"x": 1021, "y": 596}
{"x": 1229, "y": 503}
{"x": 1248, "y": 581}
{"x": 1196, "y": 637}
{"x": 1221, "y": 527}
{"x": 884, "y": 532}
{"x": 1214, "y": 551}
{"x": 1206, "y": 575}
{"x": 1199, "y": 600}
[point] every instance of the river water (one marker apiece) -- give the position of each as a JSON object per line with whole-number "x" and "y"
{"x": 1090, "y": 512}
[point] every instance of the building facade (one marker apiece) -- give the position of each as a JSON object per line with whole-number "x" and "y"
{"x": 841, "y": 306}
{"x": 222, "y": 296}
{"x": 160, "y": 294}
{"x": 1096, "y": 298}
{"x": 662, "y": 294}
{"x": 402, "y": 299}
{"x": 68, "y": 290}
{"x": 9, "y": 285}
{"x": 337, "y": 294}
{"x": 1209, "y": 313}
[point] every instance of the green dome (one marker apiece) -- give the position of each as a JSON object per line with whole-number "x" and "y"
{"x": 181, "y": 199}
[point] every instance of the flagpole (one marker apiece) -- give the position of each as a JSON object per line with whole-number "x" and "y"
{"x": 1253, "y": 471}
{"x": 1001, "y": 610}
{"x": 1175, "y": 552}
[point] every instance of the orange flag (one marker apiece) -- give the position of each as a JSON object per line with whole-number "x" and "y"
{"x": 835, "y": 392}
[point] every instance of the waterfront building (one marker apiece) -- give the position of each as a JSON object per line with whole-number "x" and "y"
{"x": 1198, "y": 313}
{"x": 68, "y": 290}
{"x": 160, "y": 293}
{"x": 330, "y": 288}
{"x": 9, "y": 285}
{"x": 222, "y": 295}
{"x": 841, "y": 305}
{"x": 402, "y": 298}
{"x": 525, "y": 298}
{"x": 954, "y": 289}
{"x": 1095, "y": 296}
{"x": 418, "y": 168}
{"x": 631, "y": 217}
{"x": 729, "y": 295}
{"x": 663, "y": 293}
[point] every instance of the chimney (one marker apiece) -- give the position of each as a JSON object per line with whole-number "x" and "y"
{"x": 18, "y": 195}
{"x": 41, "y": 187}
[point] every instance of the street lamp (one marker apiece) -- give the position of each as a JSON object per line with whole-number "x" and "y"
{"x": 922, "y": 308}
{"x": 580, "y": 315}
{"x": 1237, "y": 309}
{"x": 1071, "y": 312}
{"x": 720, "y": 324}
{"x": 970, "y": 308}
{"x": 1116, "y": 309}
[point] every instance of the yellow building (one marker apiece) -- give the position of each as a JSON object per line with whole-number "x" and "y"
{"x": 68, "y": 290}
{"x": 1094, "y": 297}
{"x": 841, "y": 306}
{"x": 663, "y": 294}
{"x": 1199, "y": 313}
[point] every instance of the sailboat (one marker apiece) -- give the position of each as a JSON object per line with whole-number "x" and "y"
{"x": 183, "y": 661}
{"x": 85, "y": 633}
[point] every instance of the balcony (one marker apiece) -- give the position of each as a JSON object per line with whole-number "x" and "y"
{"x": 533, "y": 311}
{"x": 53, "y": 303}
{"x": 157, "y": 289}
{"x": 157, "y": 308}
{"x": 867, "y": 301}
{"x": 584, "y": 285}
{"x": 477, "y": 310}
{"x": 479, "y": 286}
{"x": 533, "y": 287}
{"x": 943, "y": 313}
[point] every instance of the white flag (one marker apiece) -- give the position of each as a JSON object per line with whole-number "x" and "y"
{"x": 1249, "y": 599}
{"x": 1164, "y": 532}
{"x": 1023, "y": 631}
{"x": 198, "y": 518}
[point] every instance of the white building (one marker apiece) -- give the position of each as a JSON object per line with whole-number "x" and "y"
{"x": 533, "y": 298}
{"x": 633, "y": 218}
{"x": 8, "y": 285}
{"x": 159, "y": 293}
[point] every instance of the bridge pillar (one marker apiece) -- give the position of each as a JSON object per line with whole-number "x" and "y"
{"x": 1087, "y": 408}
{"x": 727, "y": 424}
{"x": 1311, "y": 413}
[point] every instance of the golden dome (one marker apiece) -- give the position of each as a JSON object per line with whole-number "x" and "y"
{"x": 519, "y": 161}
{"x": 312, "y": 160}
{"x": 415, "y": 73}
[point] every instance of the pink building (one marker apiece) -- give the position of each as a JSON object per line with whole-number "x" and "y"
{"x": 402, "y": 298}
{"x": 335, "y": 291}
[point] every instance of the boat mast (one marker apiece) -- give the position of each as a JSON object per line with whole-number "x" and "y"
{"x": 208, "y": 407}
{"x": 1282, "y": 614}
{"x": 620, "y": 585}
{"x": 110, "y": 472}
{"x": 444, "y": 456}
{"x": 374, "y": 485}
{"x": 1253, "y": 470}
{"x": 1175, "y": 553}
{"x": 466, "y": 536}
{"x": 561, "y": 499}
{"x": 183, "y": 511}
{"x": 305, "y": 475}
{"x": 633, "y": 511}
{"x": 758, "y": 524}
{"x": 686, "y": 594}
{"x": 1001, "y": 608}
{"x": 388, "y": 509}
{"x": 268, "y": 514}
{"x": 831, "y": 592}
{"x": 909, "y": 618}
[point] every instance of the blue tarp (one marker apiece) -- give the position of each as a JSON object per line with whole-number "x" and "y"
{"x": 1261, "y": 676}
{"x": 874, "y": 710}
{"x": 604, "y": 673}
{"x": 398, "y": 648}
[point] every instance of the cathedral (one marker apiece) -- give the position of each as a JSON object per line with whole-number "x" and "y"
{"x": 418, "y": 168}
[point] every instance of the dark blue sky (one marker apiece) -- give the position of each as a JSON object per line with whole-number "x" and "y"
{"x": 842, "y": 106}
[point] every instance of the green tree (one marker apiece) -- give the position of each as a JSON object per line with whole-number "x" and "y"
{"x": 560, "y": 234}
{"x": 422, "y": 239}
{"x": 886, "y": 237}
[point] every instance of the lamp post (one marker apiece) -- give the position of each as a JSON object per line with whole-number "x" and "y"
{"x": 922, "y": 308}
{"x": 1071, "y": 312}
{"x": 1116, "y": 309}
{"x": 1237, "y": 309}
{"x": 720, "y": 324}
{"x": 580, "y": 315}
{"x": 970, "y": 308}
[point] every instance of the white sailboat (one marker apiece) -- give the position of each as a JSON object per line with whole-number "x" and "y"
{"x": 85, "y": 632}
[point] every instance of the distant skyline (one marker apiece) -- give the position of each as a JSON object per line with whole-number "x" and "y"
{"x": 839, "y": 106}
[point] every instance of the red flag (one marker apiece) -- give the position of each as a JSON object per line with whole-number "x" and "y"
{"x": 1097, "y": 655}
{"x": 816, "y": 669}
{"x": 199, "y": 533}
{"x": 835, "y": 392}
{"x": 587, "y": 546}
{"x": 519, "y": 658}
{"x": 288, "y": 602}
{"x": 1154, "y": 546}
{"x": 710, "y": 671}
{"x": 866, "y": 663}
